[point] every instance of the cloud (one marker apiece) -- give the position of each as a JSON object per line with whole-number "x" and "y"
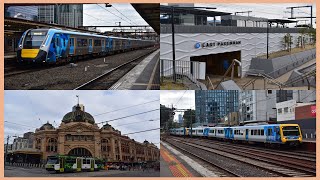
{"x": 26, "y": 107}
{"x": 98, "y": 14}
{"x": 179, "y": 99}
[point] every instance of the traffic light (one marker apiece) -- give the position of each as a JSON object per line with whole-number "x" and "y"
{"x": 108, "y": 5}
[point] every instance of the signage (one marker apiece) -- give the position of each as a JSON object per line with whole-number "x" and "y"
{"x": 199, "y": 45}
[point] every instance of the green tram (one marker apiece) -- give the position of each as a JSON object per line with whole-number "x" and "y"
{"x": 61, "y": 163}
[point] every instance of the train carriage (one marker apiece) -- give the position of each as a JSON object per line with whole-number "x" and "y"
{"x": 289, "y": 134}
{"x": 54, "y": 45}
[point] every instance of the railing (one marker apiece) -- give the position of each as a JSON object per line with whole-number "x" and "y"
{"x": 183, "y": 71}
{"x": 231, "y": 68}
{"x": 28, "y": 165}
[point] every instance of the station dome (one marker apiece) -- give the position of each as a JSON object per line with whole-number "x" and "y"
{"x": 78, "y": 115}
{"x": 47, "y": 126}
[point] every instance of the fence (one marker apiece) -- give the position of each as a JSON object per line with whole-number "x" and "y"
{"x": 27, "y": 165}
{"x": 183, "y": 69}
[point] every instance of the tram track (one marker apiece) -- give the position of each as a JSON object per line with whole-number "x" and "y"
{"x": 108, "y": 78}
{"x": 276, "y": 169}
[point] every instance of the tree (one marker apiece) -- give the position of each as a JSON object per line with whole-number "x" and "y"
{"x": 287, "y": 42}
{"x": 189, "y": 117}
{"x": 164, "y": 116}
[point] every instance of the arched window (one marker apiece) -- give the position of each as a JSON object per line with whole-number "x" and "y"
{"x": 52, "y": 145}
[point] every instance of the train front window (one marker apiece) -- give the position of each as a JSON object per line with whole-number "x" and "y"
{"x": 52, "y": 160}
{"x": 291, "y": 131}
{"x": 34, "y": 39}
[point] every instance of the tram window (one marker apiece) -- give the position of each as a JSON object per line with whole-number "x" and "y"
{"x": 251, "y": 132}
{"x": 269, "y": 132}
{"x": 211, "y": 131}
{"x": 262, "y": 132}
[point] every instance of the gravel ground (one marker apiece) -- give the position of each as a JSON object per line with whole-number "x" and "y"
{"x": 243, "y": 170}
{"x": 10, "y": 171}
{"x": 67, "y": 77}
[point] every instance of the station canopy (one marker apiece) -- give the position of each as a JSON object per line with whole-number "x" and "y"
{"x": 281, "y": 21}
{"x": 191, "y": 10}
{"x": 150, "y": 13}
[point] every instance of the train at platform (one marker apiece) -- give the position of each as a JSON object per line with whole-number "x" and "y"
{"x": 52, "y": 46}
{"x": 280, "y": 134}
{"x": 62, "y": 163}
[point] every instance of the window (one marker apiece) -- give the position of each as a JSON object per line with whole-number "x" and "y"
{"x": 97, "y": 42}
{"x": 82, "y": 42}
{"x": 269, "y": 91}
{"x": 211, "y": 131}
{"x": 280, "y": 111}
{"x": 269, "y": 132}
{"x": 286, "y": 110}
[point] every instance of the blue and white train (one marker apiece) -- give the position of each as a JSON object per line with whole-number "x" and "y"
{"x": 53, "y": 45}
{"x": 272, "y": 133}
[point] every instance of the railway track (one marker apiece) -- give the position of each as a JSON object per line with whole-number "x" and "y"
{"x": 108, "y": 78}
{"x": 274, "y": 166}
{"x": 270, "y": 151}
{"x": 301, "y": 154}
{"x": 221, "y": 172}
{"x": 306, "y": 165}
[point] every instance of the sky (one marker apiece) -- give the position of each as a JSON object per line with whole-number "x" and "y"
{"x": 270, "y": 11}
{"x": 180, "y": 99}
{"x": 97, "y": 14}
{"x": 26, "y": 107}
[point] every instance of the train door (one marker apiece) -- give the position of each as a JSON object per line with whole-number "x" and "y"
{"x": 103, "y": 46}
{"x": 206, "y": 132}
{"x": 247, "y": 134}
{"x": 61, "y": 162}
{"x": 79, "y": 164}
{"x": 91, "y": 164}
{"x": 56, "y": 44}
{"x": 71, "y": 48}
{"x": 270, "y": 134}
{"x": 90, "y": 46}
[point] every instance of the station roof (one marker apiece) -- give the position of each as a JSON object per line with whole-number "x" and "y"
{"x": 196, "y": 11}
{"x": 150, "y": 13}
{"x": 282, "y": 21}
{"x": 20, "y": 25}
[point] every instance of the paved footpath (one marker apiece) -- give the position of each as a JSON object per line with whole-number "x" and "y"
{"x": 171, "y": 166}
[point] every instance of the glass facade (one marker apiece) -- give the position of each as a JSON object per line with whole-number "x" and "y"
{"x": 63, "y": 14}
{"x": 212, "y": 105}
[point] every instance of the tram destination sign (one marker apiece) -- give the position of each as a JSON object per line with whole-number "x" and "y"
{"x": 199, "y": 45}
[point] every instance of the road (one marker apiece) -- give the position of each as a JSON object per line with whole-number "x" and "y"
{"x": 11, "y": 171}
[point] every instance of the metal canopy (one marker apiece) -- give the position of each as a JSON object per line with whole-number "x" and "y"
{"x": 282, "y": 21}
{"x": 20, "y": 25}
{"x": 150, "y": 13}
{"x": 182, "y": 10}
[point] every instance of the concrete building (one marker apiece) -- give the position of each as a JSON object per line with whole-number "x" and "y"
{"x": 303, "y": 100}
{"x": 24, "y": 142}
{"x": 212, "y": 48}
{"x": 257, "y": 106}
{"x": 212, "y": 105}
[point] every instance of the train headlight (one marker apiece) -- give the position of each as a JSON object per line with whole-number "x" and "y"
{"x": 284, "y": 139}
{"x": 20, "y": 46}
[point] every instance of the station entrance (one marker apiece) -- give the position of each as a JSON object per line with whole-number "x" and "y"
{"x": 218, "y": 64}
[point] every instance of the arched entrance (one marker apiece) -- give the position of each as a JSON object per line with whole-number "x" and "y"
{"x": 80, "y": 152}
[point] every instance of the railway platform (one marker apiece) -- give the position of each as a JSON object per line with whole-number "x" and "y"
{"x": 143, "y": 76}
{"x": 175, "y": 164}
{"x": 309, "y": 145}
